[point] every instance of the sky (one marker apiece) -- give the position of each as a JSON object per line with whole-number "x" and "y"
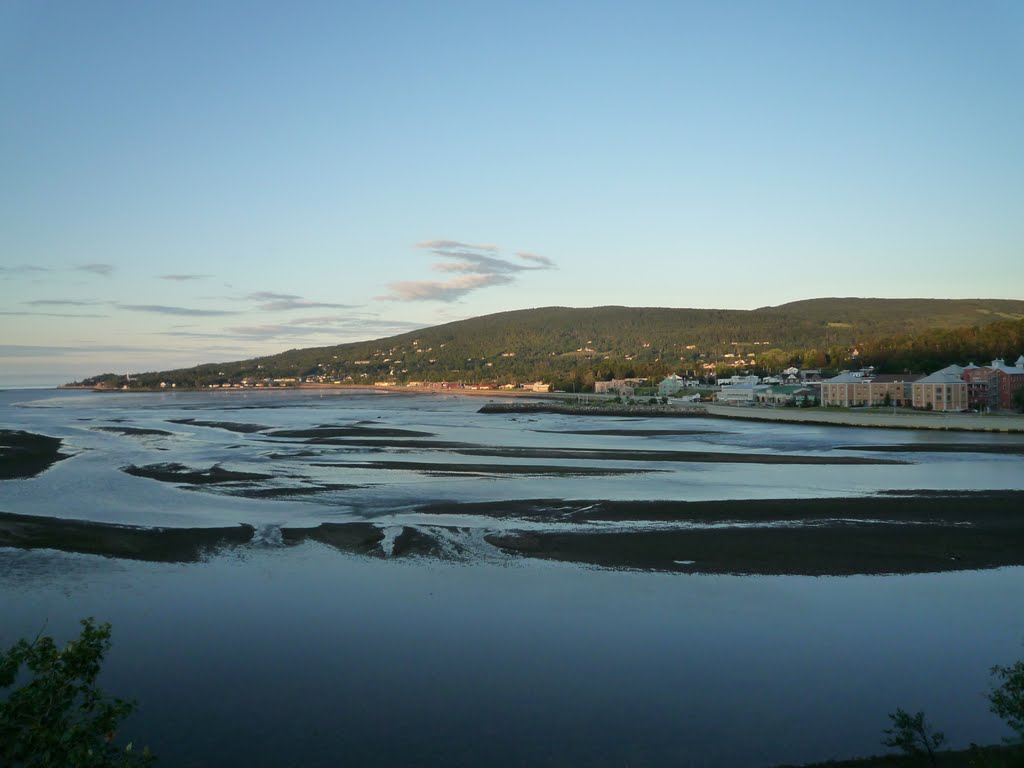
{"x": 196, "y": 182}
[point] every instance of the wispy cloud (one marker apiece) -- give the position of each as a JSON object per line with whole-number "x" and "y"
{"x": 336, "y": 327}
{"x": 477, "y": 266}
{"x": 97, "y": 268}
{"x": 455, "y": 244}
{"x": 21, "y": 269}
{"x": 61, "y": 303}
{"x": 162, "y": 309}
{"x": 30, "y": 350}
{"x": 536, "y": 258}
{"x": 49, "y": 314}
{"x": 270, "y": 301}
{"x": 449, "y": 290}
{"x": 182, "y": 278}
{"x": 269, "y": 296}
{"x": 287, "y": 304}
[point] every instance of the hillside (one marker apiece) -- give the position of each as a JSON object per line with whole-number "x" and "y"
{"x": 560, "y": 343}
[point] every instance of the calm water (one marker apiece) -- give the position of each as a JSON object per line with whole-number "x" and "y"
{"x": 307, "y": 656}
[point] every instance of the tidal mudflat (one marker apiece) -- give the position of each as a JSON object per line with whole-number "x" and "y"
{"x": 392, "y": 578}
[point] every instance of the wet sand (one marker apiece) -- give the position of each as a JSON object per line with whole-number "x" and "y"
{"x": 997, "y": 448}
{"x": 25, "y": 454}
{"x": 482, "y": 470}
{"x": 633, "y": 432}
{"x": 134, "y": 431}
{"x": 816, "y": 537}
{"x": 179, "y": 473}
{"x": 813, "y": 537}
{"x": 708, "y": 457}
{"x": 230, "y": 426}
{"x": 356, "y": 431}
{"x": 169, "y": 545}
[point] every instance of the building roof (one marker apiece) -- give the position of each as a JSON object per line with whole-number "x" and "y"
{"x": 849, "y": 378}
{"x": 886, "y": 378}
{"x": 1000, "y": 365}
{"x": 945, "y": 376}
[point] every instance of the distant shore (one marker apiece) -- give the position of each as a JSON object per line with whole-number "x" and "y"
{"x": 953, "y": 422}
{"x": 561, "y": 402}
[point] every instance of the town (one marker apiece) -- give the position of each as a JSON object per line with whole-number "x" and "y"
{"x": 955, "y": 388}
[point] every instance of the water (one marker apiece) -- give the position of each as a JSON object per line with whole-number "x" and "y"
{"x": 303, "y": 655}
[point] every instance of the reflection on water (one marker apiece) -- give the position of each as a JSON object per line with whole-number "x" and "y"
{"x": 306, "y": 655}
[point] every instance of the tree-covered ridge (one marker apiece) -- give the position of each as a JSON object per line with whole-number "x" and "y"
{"x": 578, "y": 346}
{"x": 930, "y": 350}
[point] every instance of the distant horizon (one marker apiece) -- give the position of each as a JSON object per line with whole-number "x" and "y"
{"x": 50, "y": 379}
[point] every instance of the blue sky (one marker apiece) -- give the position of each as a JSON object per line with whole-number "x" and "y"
{"x": 191, "y": 182}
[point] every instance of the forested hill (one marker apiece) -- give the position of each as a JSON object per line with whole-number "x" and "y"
{"x": 560, "y": 343}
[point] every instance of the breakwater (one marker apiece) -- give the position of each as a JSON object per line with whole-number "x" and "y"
{"x": 592, "y": 409}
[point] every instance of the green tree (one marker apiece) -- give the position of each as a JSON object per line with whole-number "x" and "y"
{"x": 59, "y": 716}
{"x": 1007, "y": 700}
{"x": 913, "y": 735}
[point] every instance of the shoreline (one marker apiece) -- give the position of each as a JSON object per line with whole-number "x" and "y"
{"x": 948, "y": 422}
{"x": 561, "y": 402}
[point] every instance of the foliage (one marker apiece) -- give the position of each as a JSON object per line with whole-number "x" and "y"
{"x": 60, "y": 717}
{"x": 1007, "y": 700}
{"x": 912, "y": 735}
{"x": 573, "y": 348}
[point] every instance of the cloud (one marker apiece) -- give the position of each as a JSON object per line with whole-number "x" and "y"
{"x": 269, "y": 296}
{"x": 21, "y": 269}
{"x": 61, "y": 303}
{"x": 182, "y": 278}
{"x": 536, "y": 258}
{"x": 161, "y": 309}
{"x": 97, "y": 268}
{"x": 478, "y": 266}
{"x": 26, "y": 350}
{"x": 447, "y": 244}
{"x": 450, "y": 290}
{"x": 283, "y": 305}
{"x": 338, "y": 327}
{"x": 474, "y": 263}
{"x": 270, "y": 301}
{"x": 48, "y": 314}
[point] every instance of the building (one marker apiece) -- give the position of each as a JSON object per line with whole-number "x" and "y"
{"x": 623, "y": 387}
{"x": 671, "y": 385}
{"x": 994, "y": 386}
{"x": 786, "y": 394}
{"x": 982, "y": 387}
{"x": 740, "y": 393}
{"x": 861, "y": 388}
{"x": 746, "y": 381}
{"x": 944, "y": 390}
{"x": 846, "y": 389}
{"x": 893, "y": 388}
